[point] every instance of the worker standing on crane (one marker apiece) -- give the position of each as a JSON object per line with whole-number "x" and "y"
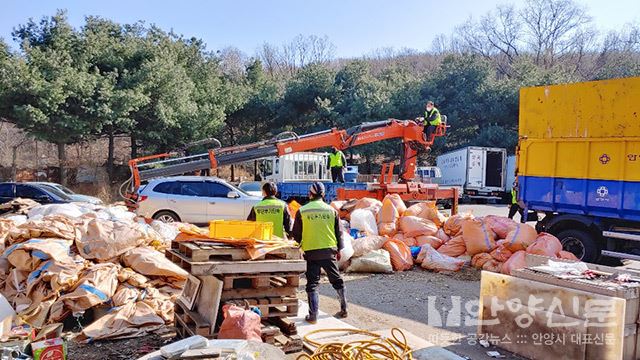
{"x": 432, "y": 119}
{"x": 337, "y": 163}
{"x": 317, "y": 229}
{"x": 272, "y": 209}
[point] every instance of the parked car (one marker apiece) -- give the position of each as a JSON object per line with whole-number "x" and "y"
{"x": 75, "y": 197}
{"x": 194, "y": 199}
{"x": 35, "y": 192}
{"x": 253, "y": 188}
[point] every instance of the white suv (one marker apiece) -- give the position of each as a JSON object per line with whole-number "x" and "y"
{"x": 194, "y": 199}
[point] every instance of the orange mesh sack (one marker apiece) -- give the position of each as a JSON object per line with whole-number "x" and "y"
{"x": 500, "y": 225}
{"x": 520, "y": 238}
{"x": 431, "y": 240}
{"x": 239, "y": 323}
{"x": 397, "y": 202}
{"x": 478, "y": 238}
{"x": 426, "y": 210}
{"x": 545, "y": 244}
{"x": 454, "y": 247}
{"x": 478, "y": 260}
{"x": 442, "y": 236}
{"x": 567, "y": 255}
{"x": 388, "y": 229}
{"x": 388, "y": 213}
{"x": 501, "y": 253}
{"x": 401, "y": 258}
{"x": 413, "y": 226}
{"x": 493, "y": 265}
{"x": 370, "y": 204}
{"x": 453, "y": 225}
{"x": 515, "y": 262}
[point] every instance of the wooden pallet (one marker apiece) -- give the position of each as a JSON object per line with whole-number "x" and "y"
{"x": 202, "y": 252}
{"x": 272, "y": 307}
{"x": 265, "y": 285}
{"x": 235, "y": 267}
{"x": 190, "y": 323}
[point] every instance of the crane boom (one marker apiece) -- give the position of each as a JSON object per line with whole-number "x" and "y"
{"x": 411, "y": 133}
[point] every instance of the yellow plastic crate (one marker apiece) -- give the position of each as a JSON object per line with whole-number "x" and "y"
{"x": 237, "y": 229}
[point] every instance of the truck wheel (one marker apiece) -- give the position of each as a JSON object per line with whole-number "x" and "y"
{"x": 166, "y": 216}
{"x": 581, "y": 244}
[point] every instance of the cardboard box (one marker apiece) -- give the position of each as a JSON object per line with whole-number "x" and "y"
{"x": 51, "y": 349}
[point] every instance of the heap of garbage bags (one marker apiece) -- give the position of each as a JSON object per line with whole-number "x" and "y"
{"x": 90, "y": 262}
{"x": 387, "y": 236}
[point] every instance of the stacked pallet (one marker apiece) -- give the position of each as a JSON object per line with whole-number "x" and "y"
{"x": 222, "y": 274}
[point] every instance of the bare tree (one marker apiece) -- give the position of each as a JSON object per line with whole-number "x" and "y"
{"x": 554, "y": 28}
{"x": 232, "y": 61}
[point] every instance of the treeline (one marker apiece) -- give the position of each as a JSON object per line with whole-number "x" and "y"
{"x": 162, "y": 90}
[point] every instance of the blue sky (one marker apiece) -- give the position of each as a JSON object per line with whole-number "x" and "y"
{"x": 356, "y": 27}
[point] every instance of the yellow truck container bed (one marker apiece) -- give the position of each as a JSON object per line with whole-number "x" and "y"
{"x": 593, "y": 109}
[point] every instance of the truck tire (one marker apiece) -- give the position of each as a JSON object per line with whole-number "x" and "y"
{"x": 166, "y": 216}
{"x": 581, "y": 243}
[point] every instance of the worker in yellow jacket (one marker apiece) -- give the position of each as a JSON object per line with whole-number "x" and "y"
{"x": 432, "y": 119}
{"x": 317, "y": 229}
{"x": 336, "y": 164}
{"x": 272, "y": 209}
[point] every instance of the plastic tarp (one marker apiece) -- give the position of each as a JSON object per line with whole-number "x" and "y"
{"x": 376, "y": 261}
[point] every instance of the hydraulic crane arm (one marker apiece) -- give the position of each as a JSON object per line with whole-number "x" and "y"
{"x": 411, "y": 133}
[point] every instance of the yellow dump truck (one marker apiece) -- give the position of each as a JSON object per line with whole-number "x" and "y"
{"x": 579, "y": 164}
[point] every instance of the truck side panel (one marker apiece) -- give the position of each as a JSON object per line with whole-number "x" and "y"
{"x": 594, "y": 109}
{"x": 594, "y": 176}
{"x": 453, "y": 166}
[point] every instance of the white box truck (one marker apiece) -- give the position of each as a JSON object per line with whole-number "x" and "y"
{"x": 480, "y": 171}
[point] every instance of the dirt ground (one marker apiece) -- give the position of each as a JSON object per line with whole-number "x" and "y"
{"x": 380, "y": 301}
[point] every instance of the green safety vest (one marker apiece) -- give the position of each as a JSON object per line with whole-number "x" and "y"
{"x": 435, "y": 122}
{"x": 335, "y": 160}
{"x": 271, "y": 210}
{"x": 318, "y": 226}
{"x": 514, "y": 198}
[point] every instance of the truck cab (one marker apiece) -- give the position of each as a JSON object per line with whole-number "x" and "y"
{"x": 304, "y": 166}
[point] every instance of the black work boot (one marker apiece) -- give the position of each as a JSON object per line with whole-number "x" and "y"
{"x": 314, "y": 300}
{"x": 343, "y": 305}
